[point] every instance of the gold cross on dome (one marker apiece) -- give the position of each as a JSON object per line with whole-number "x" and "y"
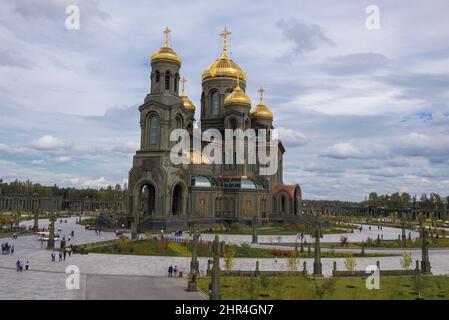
{"x": 166, "y": 32}
{"x": 225, "y": 35}
{"x": 261, "y": 91}
{"x": 183, "y": 81}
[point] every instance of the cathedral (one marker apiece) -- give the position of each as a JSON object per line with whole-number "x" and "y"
{"x": 167, "y": 196}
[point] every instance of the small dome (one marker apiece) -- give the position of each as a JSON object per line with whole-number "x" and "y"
{"x": 224, "y": 67}
{"x": 166, "y": 53}
{"x": 237, "y": 98}
{"x": 261, "y": 111}
{"x": 188, "y": 104}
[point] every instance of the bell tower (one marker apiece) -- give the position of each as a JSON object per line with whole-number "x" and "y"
{"x": 218, "y": 81}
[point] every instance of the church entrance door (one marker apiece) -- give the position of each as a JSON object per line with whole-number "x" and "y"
{"x": 148, "y": 199}
{"x": 177, "y": 200}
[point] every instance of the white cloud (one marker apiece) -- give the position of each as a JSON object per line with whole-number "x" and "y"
{"x": 343, "y": 150}
{"x": 128, "y": 147}
{"x": 48, "y": 142}
{"x": 63, "y": 159}
{"x": 91, "y": 183}
{"x": 292, "y": 137}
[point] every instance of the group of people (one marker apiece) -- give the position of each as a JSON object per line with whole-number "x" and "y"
{"x": 172, "y": 271}
{"x": 7, "y": 248}
{"x": 19, "y": 265}
{"x": 62, "y": 255}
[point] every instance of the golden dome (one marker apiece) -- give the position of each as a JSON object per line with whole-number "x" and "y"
{"x": 188, "y": 104}
{"x": 196, "y": 157}
{"x": 261, "y": 111}
{"x": 237, "y": 98}
{"x": 224, "y": 67}
{"x": 166, "y": 53}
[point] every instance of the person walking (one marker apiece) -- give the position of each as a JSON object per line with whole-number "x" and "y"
{"x": 175, "y": 270}
{"x": 27, "y": 266}
{"x": 18, "y": 265}
{"x": 12, "y": 249}
{"x": 60, "y": 256}
{"x": 53, "y": 257}
{"x": 170, "y": 271}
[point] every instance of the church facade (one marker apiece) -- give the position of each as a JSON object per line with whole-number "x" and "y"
{"x": 163, "y": 195}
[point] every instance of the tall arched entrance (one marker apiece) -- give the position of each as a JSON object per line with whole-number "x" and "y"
{"x": 147, "y": 199}
{"x": 176, "y": 207}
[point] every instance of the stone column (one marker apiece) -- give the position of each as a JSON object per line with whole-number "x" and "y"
{"x": 51, "y": 237}
{"x": 254, "y": 240}
{"x": 17, "y": 217}
{"x": 36, "y": 221}
{"x": 214, "y": 293}
{"x": 257, "y": 272}
{"x": 317, "y": 266}
{"x": 135, "y": 217}
{"x": 425, "y": 262}
{"x": 194, "y": 265}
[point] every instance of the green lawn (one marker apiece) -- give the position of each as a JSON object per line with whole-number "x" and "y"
{"x": 299, "y": 288}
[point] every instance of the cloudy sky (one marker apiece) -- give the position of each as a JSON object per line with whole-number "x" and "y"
{"x": 359, "y": 109}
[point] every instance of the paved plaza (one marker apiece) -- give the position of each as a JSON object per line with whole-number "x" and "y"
{"x": 144, "y": 277}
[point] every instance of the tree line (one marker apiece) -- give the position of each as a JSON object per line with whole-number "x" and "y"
{"x": 109, "y": 193}
{"x": 433, "y": 201}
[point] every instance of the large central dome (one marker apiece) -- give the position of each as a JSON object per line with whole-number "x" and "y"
{"x": 224, "y": 67}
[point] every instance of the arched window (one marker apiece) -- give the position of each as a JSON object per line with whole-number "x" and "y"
{"x": 176, "y": 82}
{"x": 167, "y": 80}
{"x": 177, "y": 123}
{"x": 154, "y": 127}
{"x": 214, "y": 103}
{"x": 233, "y": 124}
{"x": 158, "y": 76}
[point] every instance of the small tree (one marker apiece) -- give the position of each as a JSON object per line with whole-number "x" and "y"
{"x": 293, "y": 261}
{"x": 406, "y": 260}
{"x": 229, "y": 257}
{"x": 350, "y": 264}
{"x": 419, "y": 284}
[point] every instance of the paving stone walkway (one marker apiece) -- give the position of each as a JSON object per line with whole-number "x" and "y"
{"x": 46, "y": 279}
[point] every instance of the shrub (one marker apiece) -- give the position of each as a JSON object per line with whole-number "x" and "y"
{"x": 235, "y": 227}
{"x": 350, "y": 264}
{"x": 293, "y": 261}
{"x": 229, "y": 256}
{"x": 280, "y": 253}
{"x": 406, "y": 260}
